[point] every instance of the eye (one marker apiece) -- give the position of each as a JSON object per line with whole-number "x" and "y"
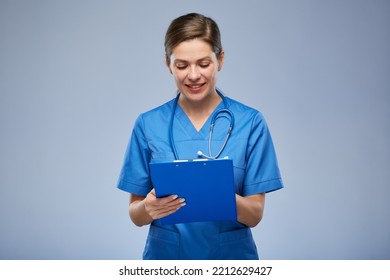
{"x": 204, "y": 65}
{"x": 181, "y": 66}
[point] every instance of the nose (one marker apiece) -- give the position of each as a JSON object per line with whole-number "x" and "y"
{"x": 194, "y": 74}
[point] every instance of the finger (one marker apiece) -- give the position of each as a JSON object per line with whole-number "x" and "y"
{"x": 167, "y": 199}
{"x": 169, "y": 205}
{"x": 166, "y": 212}
{"x": 164, "y": 200}
{"x": 156, "y": 212}
{"x": 152, "y": 193}
{"x": 177, "y": 202}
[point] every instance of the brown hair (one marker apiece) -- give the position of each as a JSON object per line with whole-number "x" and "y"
{"x": 191, "y": 26}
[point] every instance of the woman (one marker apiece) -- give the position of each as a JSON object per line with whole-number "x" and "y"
{"x": 194, "y": 56}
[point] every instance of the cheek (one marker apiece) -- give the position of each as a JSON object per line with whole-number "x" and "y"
{"x": 179, "y": 76}
{"x": 211, "y": 74}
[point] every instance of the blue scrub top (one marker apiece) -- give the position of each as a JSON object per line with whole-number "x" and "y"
{"x": 255, "y": 171}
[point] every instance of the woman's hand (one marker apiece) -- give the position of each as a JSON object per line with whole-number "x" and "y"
{"x": 143, "y": 210}
{"x": 160, "y": 207}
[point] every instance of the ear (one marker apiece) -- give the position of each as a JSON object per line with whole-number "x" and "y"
{"x": 221, "y": 59}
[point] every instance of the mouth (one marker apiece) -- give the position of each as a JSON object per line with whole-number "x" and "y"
{"x": 195, "y": 87}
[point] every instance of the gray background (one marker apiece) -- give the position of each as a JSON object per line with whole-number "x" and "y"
{"x": 75, "y": 74}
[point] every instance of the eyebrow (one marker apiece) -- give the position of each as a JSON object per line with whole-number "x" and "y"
{"x": 184, "y": 61}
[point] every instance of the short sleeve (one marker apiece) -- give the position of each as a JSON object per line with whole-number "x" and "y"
{"x": 262, "y": 171}
{"x": 134, "y": 176}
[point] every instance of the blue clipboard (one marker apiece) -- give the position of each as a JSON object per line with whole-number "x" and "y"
{"x": 206, "y": 185}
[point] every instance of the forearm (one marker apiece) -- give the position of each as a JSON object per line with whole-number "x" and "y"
{"x": 250, "y": 209}
{"x": 138, "y": 214}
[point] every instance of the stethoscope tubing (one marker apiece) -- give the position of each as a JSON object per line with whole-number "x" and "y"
{"x": 217, "y": 115}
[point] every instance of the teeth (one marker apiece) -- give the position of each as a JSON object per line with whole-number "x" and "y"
{"x": 195, "y": 86}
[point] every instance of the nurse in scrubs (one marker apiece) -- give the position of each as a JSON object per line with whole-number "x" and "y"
{"x": 194, "y": 57}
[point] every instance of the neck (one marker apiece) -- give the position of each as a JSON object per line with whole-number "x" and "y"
{"x": 199, "y": 112}
{"x": 205, "y": 106}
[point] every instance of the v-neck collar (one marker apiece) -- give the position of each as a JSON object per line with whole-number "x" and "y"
{"x": 188, "y": 126}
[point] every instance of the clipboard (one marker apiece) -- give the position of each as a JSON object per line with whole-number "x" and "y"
{"x": 206, "y": 185}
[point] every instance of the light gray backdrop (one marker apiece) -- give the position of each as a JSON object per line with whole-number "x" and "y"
{"x": 75, "y": 74}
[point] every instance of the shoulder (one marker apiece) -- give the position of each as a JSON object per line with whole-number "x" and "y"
{"x": 162, "y": 109}
{"x": 242, "y": 110}
{"x": 161, "y": 113}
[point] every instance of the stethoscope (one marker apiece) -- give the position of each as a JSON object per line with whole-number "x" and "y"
{"x": 222, "y": 113}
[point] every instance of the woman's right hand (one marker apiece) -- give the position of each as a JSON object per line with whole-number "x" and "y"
{"x": 160, "y": 207}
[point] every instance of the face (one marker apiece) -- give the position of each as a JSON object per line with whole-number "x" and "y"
{"x": 195, "y": 66}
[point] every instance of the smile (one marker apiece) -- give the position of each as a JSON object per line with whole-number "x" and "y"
{"x": 197, "y": 86}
